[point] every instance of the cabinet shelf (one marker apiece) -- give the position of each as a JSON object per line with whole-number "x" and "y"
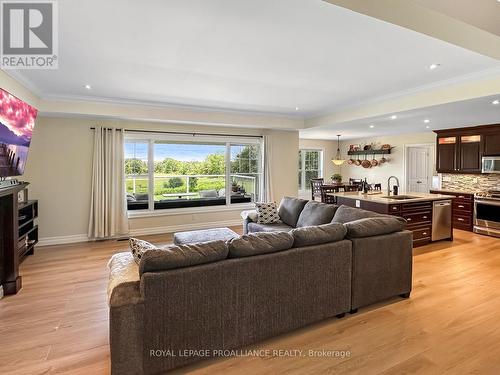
{"x": 369, "y": 152}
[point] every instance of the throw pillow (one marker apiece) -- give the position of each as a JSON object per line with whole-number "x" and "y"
{"x": 267, "y": 213}
{"x": 139, "y": 247}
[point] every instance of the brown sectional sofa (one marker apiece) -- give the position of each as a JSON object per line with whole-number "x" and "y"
{"x": 260, "y": 285}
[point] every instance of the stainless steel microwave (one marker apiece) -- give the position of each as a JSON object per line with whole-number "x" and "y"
{"x": 491, "y": 164}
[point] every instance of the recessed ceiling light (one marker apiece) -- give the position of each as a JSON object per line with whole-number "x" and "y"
{"x": 372, "y": 126}
{"x": 496, "y": 102}
{"x": 434, "y": 66}
{"x": 297, "y": 108}
{"x": 427, "y": 127}
{"x": 394, "y": 117}
{"x": 88, "y": 87}
{"x": 427, "y": 120}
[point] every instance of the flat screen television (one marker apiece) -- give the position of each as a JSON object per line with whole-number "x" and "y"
{"x": 17, "y": 120}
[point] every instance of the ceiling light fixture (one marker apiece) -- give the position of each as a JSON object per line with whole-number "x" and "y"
{"x": 338, "y": 157}
{"x": 372, "y": 126}
{"x": 496, "y": 102}
{"x": 394, "y": 117}
{"x": 88, "y": 87}
{"x": 434, "y": 66}
{"x": 427, "y": 120}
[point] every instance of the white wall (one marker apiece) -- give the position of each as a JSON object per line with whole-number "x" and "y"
{"x": 395, "y": 166}
{"x": 59, "y": 172}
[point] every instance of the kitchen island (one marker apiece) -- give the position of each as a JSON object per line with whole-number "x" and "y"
{"x": 423, "y": 212}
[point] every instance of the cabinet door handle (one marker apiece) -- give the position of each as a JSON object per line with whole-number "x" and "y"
{"x": 409, "y": 219}
{"x": 394, "y": 208}
{"x": 460, "y": 219}
{"x": 424, "y": 233}
{"x": 460, "y": 206}
{"x": 461, "y": 196}
{"x": 424, "y": 217}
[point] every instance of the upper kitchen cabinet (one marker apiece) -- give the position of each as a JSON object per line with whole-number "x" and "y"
{"x": 446, "y": 154}
{"x": 461, "y": 150}
{"x": 492, "y": 144}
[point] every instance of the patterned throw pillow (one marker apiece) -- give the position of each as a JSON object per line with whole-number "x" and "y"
{"x": 268, "y": 213}
{"x": 139, "y": 247}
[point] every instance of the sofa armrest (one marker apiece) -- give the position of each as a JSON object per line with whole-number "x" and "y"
{"x": 249, "y": 216}
{"x": 382, "y": 267}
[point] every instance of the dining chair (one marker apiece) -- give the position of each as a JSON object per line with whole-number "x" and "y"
{"x": 316, "y": 184}
{"x": 325, "y": 189}
{"x": 351, "y": 187}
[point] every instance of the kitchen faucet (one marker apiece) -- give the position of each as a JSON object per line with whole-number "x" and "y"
{"x": 389, "y": 185}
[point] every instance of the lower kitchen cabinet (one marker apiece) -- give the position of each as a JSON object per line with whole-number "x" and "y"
{"x": 463, "y": 209}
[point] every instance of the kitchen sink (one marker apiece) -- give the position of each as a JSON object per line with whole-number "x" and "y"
{"x": 399, "y": 197}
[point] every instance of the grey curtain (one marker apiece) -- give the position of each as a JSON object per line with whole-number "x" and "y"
{"x": 108, "y": 204}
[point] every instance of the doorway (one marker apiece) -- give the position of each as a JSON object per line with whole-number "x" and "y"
{"x": 419, "y": 167}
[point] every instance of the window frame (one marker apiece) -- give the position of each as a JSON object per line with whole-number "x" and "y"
{"x": 302, "y": 169}
{"x": 150, "y": 138}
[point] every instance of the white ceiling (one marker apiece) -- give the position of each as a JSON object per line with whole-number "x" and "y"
{"x": 479, "y": 111}
{"x": 260, "y": 55}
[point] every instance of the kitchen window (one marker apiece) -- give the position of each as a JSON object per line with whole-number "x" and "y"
{"x": 310, "y": 166}
{"x": 166, "y": 171}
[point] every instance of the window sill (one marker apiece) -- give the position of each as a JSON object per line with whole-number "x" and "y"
{"x": 190, "y": 210}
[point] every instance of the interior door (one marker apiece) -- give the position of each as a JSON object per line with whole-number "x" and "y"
{"x": 418, "y": 170}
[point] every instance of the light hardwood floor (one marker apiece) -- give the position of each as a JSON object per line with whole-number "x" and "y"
{"x": 58, "y": 323}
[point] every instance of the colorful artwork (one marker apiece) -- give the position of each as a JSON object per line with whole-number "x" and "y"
{"x": 17, "y": 120}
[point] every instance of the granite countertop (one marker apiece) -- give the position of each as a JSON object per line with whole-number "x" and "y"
{"x": 380, "y": 198}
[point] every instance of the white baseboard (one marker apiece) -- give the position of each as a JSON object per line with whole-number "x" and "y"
{"x": 48, "y": 241}
{"x": 59, "y": 240}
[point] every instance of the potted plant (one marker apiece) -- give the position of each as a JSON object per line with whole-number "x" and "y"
{"x": 337, "y": 178}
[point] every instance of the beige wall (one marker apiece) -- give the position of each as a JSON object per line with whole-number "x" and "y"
{"x": 395, "y": 166}
{"x": 329, "y": 149}
{"x": 59, "y": 171}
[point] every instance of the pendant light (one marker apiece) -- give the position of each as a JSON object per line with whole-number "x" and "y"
{"x": 338, "y": 157}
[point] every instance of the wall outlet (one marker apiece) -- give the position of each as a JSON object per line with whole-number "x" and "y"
{"x": 474, "y": 180}
{"x": 446, "y": 179}
{"x": 358, "y": 203}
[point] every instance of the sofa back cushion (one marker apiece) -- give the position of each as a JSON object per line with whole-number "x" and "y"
{"x": 316, "y": 213}
{"x": 290, "y": 209}
{"x": 345, "y": 214}
{"x": 179, "y": 256}
{"x": 374, "y": 226}
{"x": 315, "y": 235}
{"x": 259, "y": 243}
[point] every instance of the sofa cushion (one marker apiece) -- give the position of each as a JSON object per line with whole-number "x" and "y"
{"x": 256, "y": 227}
{"x": 316, "y": 213}
{"x": 179, "y": 256}
{"x": 374, "y": 226}
{"x": 290, "y": 209}
{"x": 345, "y": 214}
{"x": 307, "y": 236}
{"x": 267, "y": 213}
{"x": 139, "y": 247}
{"x": 259, "y": 243}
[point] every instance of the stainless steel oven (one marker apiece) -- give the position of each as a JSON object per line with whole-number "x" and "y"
{"x": 487, "y": 213}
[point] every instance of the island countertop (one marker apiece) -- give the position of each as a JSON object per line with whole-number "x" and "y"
{"x": 382, "y": 197}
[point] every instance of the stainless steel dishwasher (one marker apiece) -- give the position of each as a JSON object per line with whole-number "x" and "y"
{"x": 441, "y": 220}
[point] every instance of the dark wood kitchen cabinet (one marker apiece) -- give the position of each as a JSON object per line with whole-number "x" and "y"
{"x": 461, "y": 150}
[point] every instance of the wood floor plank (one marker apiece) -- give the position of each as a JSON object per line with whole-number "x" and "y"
{"x": 58, "y": 323}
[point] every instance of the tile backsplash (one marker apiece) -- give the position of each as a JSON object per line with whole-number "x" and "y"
{"x": 467, "y": 182}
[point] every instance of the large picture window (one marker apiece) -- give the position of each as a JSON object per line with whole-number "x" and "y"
{"x": 166, "y": 171}
{"x": 310, "y": 166}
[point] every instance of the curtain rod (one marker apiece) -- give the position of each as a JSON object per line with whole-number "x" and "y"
{"x": 186, "y": 133}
